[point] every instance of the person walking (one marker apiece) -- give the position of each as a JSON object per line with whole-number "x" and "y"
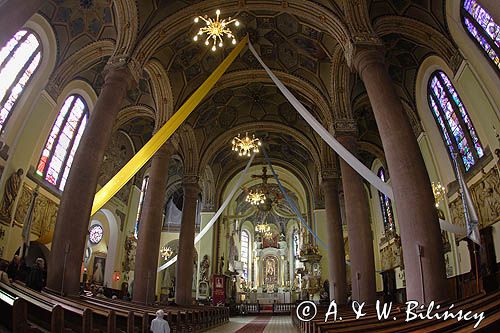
{"x": 160, "y": 325}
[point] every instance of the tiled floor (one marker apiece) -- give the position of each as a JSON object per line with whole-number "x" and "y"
{"x": 277, "y": 324}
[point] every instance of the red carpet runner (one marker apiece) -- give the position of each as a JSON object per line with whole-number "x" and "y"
{"x": 255, "y": 326}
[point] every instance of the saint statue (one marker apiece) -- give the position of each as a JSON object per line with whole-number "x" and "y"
{"x": 204, "y": 266}
{"x": 9, "y": 197}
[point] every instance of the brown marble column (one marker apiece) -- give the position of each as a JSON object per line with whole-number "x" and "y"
{"x": 493, "y": 8}
{"x": 72, "y": 222}
{"x": 359, "y": 231}
{"x": 184, "y": 268}
{"x": 336, "y": 251}
{"x": 14, "y": 14}
{"x": 417, "y": 216}
{"x": 148, "y": 243}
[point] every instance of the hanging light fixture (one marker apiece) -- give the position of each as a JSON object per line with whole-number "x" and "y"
{"x": 166, "y": 252}
{"x": 244, "y": 146}
{"x": 216, "y": 29}
{"x": 256, "y": 197}
{"x": 262, "y": 228}
{"x": 439, "y": 192}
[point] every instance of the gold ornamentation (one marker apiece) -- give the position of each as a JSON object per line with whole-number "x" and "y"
{"x": 256, "y": 197}
{"x": 244, "y": 146}
{"x": 215, "y": 30}
{"x": 44, "y": 212}
{"x": 439, "y": 192}
{"x": 166, "y": 252}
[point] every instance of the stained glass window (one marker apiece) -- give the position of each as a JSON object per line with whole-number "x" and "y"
{"x": 19, "y": 59}
{"x": 245, "y": 252}
{"x": 453, "y": 120}
{"x": 144, "y": 187}
{"x": 59, "y": 151}
{"x": 95, "y": 234}
{"x": 485, "y": 32}
{"x": 385, "y": 204}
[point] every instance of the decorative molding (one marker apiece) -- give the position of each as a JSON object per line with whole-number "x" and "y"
{"x": 485, "y": 194}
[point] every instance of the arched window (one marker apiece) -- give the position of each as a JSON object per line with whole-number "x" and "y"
{"x": 144, "y": 188}
{"x": 485, "y": 32}
{"x": 57, "y": 156}
{"x": 385, "y": 204}
{"x": 245, "y": 252}
{"x": 19, "y": 59}
{"x": 453, "y": 120}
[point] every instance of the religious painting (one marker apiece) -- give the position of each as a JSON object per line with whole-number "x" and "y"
{"x": 98, "y": 270}
{"x": 203, "y": 289}
{"x": 270, "y": 270}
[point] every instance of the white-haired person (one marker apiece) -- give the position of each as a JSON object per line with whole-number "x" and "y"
{"x": 160, "y": 325}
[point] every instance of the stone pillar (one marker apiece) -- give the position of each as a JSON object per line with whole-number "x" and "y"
{"x": 184, "y": 268}
{"x": 72, "y": 222}
{"x": 336, "y": 251}
{"x": 359, "y": 230}
{"x": 148, "y": 243}
{"x": 417, "y": 216}
{"x": 13, "y": 15}
{"x": 493, "y": 8}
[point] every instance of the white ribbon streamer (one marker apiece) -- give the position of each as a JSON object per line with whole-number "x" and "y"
{"x": 329, "y": 139}
{"x": 217, "y": 214}
{"x": 337, "y": 147}
{"x": 456, "y": 229}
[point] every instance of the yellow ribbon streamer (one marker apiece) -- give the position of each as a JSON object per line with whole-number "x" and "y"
{"x": 150, "y": 148}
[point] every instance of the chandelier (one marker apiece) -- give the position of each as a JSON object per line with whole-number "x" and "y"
{"x": 268, "y": 234}
{"x": 256, "y": 197}
{"x": 439, "y": 192}
{"x": 215, "y": 30}
{"x": 245, "y": 145}
{"x": 166, "y": 252}
{"x": 263, "y": 228}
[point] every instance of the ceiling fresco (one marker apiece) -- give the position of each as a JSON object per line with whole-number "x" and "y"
{"x": 78, "y": 23}
{"x": 431, "y": 12}
{"x": 285, "y": 43}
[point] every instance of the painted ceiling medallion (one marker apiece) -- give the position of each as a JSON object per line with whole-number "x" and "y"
{"x": 86, "y": 4}
{"x": 215, "y": 30}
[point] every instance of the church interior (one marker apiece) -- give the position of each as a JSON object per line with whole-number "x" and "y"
{"x": 216, "y": 166}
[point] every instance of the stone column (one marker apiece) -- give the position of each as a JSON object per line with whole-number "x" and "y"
{"x": 184, "y": 268}
{"x": 358, "y": 229}
{"x": 148, "y": 243}
{"x": 417, "y": 216}
{"x": 336, "y": 251}
{"x": 493, "y": 8}
{"x": 13, "y": 15}
{"x": 72, "y": 222}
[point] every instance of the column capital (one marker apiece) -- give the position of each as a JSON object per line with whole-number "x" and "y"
{"x": 165, "y": 151}
{"x": 330, "y": 180}
{"x": 191, "y": 186}
{"x": 361, "y": 54}
{"x": 121, "y": 68}
{"x": 345, "y": 127}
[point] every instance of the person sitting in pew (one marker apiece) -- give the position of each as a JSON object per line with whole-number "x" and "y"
{"x": 4, "y": 277}
{"x": 160, "y": 325}
{"x": 36, "y": 277}
{"x": 14, "y": 267}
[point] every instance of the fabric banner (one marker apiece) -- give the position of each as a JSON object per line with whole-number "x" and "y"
{"x": 346, "y": 155}
{"x": 164, "y": 133}
{"x": 471, "y": 219}
{"x": 217, "y": 214}
{"x": 329, "y": 139}
{"x": 290, "y": 201}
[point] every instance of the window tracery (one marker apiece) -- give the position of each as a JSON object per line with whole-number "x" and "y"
{"x": 245, "y": 252}
{"x": 385, "y": 204}
{"x": 64, "y": 138}
{"x": 453, "y": 120}
{"x": 483, "y": 29}
{"x": 19, "y": 59}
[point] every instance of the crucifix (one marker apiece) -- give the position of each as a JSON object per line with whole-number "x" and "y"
{"x": 263, "y": 176}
